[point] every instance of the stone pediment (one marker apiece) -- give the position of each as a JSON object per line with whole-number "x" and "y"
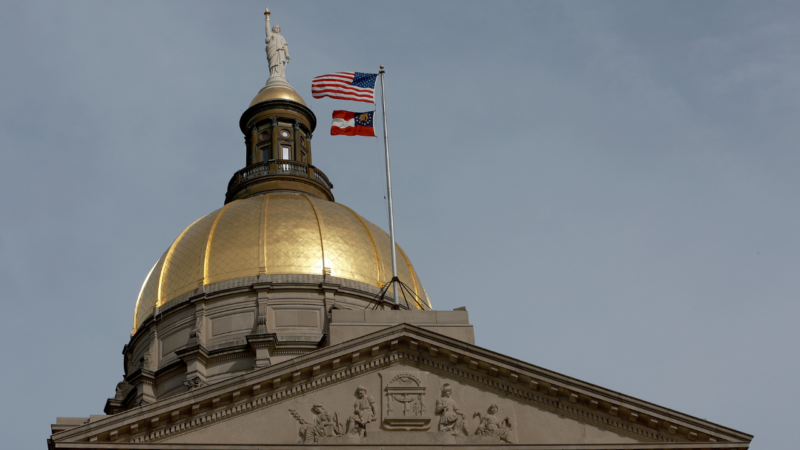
{"x": 403, "y": 385}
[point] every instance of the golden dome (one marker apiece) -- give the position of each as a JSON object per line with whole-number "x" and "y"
{"x": 273, "y": 234}
{"x": 277, "y": 92}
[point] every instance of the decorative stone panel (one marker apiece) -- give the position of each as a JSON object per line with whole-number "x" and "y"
{"x": 405, "y": 405}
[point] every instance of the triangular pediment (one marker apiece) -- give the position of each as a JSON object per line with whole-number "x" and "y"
{"x": 402, "y": 405}
{"x": 404, "y": 370}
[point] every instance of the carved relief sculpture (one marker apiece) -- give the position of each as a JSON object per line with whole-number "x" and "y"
{"x": 262, "y": 324}
{"x": 364, "y": 413}
{"x": 324, "y": 425}
{"x": 491, "y": 425}
{"x": 451, "y": 420}
{"x": 122, "y": 390}
{"x": 146, "y": 362}
{"x": 417, "y": 407}
{"x": 404, "y": 407}
{"x": 194, "y": 383}
{"x": 196, "y": 333}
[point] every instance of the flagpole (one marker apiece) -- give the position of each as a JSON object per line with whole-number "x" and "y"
{"x": 389, "y": 192}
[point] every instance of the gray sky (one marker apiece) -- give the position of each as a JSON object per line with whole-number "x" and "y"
{"x": 610, "y": 188}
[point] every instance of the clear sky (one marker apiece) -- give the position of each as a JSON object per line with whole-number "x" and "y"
{"x": 610, "y": 188}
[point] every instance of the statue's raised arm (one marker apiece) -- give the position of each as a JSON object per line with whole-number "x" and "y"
{"x": 266, "y": 25}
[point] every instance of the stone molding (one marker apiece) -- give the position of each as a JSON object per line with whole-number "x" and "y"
{"x": 324, "y": 283}
{"x": 434, "y": 352}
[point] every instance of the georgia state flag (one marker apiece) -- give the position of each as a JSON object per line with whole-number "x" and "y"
{"x": 348, "y": 123}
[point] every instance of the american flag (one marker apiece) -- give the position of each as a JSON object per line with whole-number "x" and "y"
{"x": 356, "y": 86}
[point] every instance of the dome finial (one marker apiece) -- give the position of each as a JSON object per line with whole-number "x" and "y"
{"x": 277, "y": 58}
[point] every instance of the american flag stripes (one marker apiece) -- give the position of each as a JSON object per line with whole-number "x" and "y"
{"x": 356, "y": 86}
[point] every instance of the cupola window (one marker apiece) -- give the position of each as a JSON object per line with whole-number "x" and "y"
{"x": 285, "y": 134}
{"x": 286, "y": 152}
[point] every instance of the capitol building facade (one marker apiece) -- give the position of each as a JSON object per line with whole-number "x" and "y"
{"x": 268, "y": 323}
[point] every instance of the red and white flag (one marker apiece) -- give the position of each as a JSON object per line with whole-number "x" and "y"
{"x": 356, "y": 86}
{"x": 346, "y": 123}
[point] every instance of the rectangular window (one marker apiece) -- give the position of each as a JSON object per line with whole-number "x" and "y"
{"x": 265, "y": 154}
{"x": 303, "y": 157}
{"x": 286, "y": 152}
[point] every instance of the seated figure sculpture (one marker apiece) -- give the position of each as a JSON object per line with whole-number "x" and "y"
{"x": 364, "y": 413}
{"x": 325, "y": 425}
{"x": 491, "y": 425}
{"x": 451, "y": 420}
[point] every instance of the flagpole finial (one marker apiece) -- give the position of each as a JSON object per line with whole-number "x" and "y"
{"x": 381, "y": 66}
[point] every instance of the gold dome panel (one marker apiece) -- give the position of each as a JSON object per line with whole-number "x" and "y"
{"x": 293, "y": 244}
{"x": 274, "y": 234}
{"x": 233, "y": 243}
{"x": 184, "y": 266}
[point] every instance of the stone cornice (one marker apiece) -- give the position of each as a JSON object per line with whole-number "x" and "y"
{"x": 189, "y": 353}
{"x": 507, "y": 376}
{"x": 512, "y": 370}
{"x": 140, "y": 375}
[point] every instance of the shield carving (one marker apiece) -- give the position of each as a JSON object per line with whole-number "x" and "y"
{"x": 405, "y": 406}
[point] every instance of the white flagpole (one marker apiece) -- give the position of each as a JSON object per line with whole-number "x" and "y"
{"x": 389, "y": 191}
